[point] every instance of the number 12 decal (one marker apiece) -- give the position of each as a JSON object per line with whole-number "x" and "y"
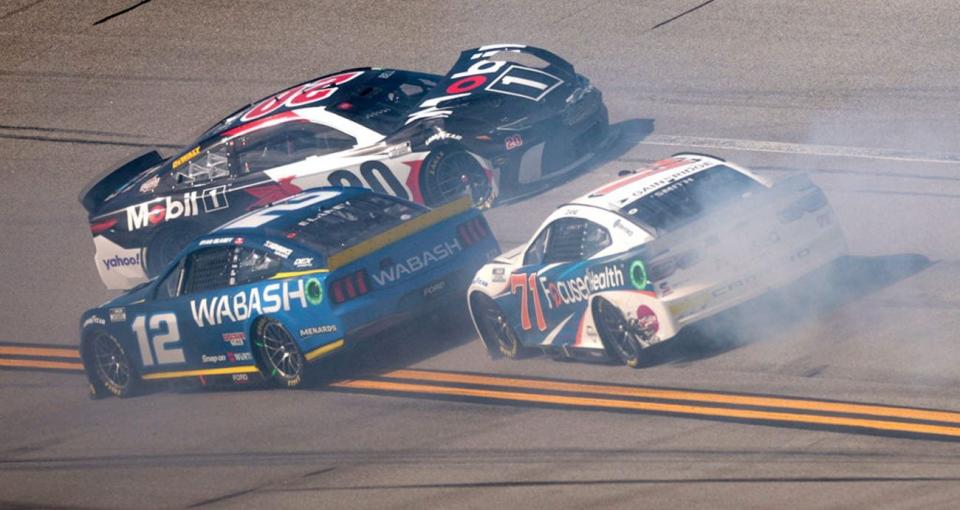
{"x": 163, "y": 327}
{"x": 524, "y": 283}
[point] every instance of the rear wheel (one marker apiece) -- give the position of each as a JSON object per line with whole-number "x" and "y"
{"x": 448, "y": 173}
{"x": 621, "y": 339}
{"x": 109, "y": 367}
{"x": 278, "y": 353}
{"x": 495, "y": 330}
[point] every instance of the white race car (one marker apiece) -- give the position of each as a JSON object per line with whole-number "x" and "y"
{"x": 631, "y": 263}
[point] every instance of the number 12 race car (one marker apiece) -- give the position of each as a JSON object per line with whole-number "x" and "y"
{"x": 490, "y": 124}
{"x": 285, "y": 285}
{"x": 631, "y": 263}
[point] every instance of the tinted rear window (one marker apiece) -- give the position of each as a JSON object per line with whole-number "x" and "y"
{"x": 689, "y": 198}
{"x": 333, "y": 228}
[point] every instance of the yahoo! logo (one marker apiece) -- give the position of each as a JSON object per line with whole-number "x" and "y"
{"x": 118, "y": 261}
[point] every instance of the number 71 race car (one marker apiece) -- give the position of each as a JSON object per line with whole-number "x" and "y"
{"x": 631, "y": 263}
{"x": 489, "y": 125}
{"x": 278, "y": 288}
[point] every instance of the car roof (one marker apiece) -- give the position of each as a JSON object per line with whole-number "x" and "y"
{"x": 645, "y": 180}
{"x": 280, "y": 216}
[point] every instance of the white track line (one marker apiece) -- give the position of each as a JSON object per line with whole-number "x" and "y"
{"x": 695, "y": 142}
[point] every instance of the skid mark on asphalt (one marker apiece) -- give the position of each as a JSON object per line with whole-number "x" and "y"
{"x": 682, "y": 14}
{"x": 699, "y": 142}
{"x": 121, "y": 12}
{"x": 587, "y": 395}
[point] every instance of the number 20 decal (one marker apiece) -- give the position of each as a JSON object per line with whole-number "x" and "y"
{"x": 370, "y": 170}
{"x": 524, "y": 283}
{"x": 154, "y": 338}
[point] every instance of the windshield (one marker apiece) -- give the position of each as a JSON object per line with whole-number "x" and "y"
{"x": 688, "y": 198}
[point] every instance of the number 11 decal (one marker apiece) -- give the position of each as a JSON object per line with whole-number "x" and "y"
{"x": 524, "y": 283}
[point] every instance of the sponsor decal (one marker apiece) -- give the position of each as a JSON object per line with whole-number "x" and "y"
{"x": 238, "y": 307}
{"x": 318, "y": 330}
{"x": 233, "y": 357}
{"x": 647, "y": 320}
{"x": 575, "y": 290}
{"x": 168, "y": 208}
{"x": 118, "y": 261}
{"x": 638, "y": 275}
{"x": 314, "y": 291}
{"x": 619, "y": 225}
{"x": 301, "y": 95}
{"x": 236, "y": 339}
{"x": 442, "y": 135}
{"x": 240, "y": 378}
{"x": 480, "y": 281}
{"x": 94, "y": 319}
{"x": 118, "y": 314}
{"x": 394, "y": 272}
{"x": 499, "y": 274}
{"x": 216, "y": 358}
{"x": 149, "y": 185}
{"x": 435, "y": 287}
{"x": 734, "y": 286}
{"x": 238, "y": 241}
{"x": 513, "y": 141}
{"x": 218, "y": 240}
{"x": 186, "y": 157}
{"x": 303, "y": 262}
{"x": 281, "y": 251}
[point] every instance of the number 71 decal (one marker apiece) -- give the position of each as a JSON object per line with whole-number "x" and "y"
{"x": 524, "y": 283}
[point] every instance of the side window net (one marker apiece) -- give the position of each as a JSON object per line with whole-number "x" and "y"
{"x": 574, "y": 239}
{"x": 209, "y": 269}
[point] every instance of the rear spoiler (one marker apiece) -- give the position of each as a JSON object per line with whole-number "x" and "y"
{"x": 555, "y": 62}
{"x": 107, "y": 183}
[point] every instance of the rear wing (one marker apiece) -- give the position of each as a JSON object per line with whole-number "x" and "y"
{"x": 109, "y": 182}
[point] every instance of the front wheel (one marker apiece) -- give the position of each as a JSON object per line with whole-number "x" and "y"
{"x": 621, "y": 339}
{"x": 109, "y": 368}
{"x": 279, "y": 356}
{"x": 448, "y": 173}
{"x": 495, "y": 331}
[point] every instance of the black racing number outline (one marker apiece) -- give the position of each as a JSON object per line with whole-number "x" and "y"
{"x": 369, "y": 172}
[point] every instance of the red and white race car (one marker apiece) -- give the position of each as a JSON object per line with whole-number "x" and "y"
{"x": 631, "y": 263}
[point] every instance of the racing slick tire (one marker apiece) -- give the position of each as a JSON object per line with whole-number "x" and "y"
{"x": 277, "y": 353}
{"x": 620, "y": 338}
{"x": 109, "y": 368}
{"x": 166, "y": 244}
{"x": 495, "y": 332}
{"x": 448, "y": 172}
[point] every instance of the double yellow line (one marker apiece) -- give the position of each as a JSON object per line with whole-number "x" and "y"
{"x": 587, "y": 395}
{"x": 790, "y": 411}
{"x": 44, "y": 358}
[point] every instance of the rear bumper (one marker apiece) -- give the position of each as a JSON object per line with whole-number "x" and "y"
{"x": 120, "y": 268}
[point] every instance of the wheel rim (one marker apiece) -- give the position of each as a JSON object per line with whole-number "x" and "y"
{"x": 111, "y": 361}
{"x": 623, "y": 339}
{"x": 500, "y": 327}
{"x": 456, "y": 173}
{"x": 281, "y": 352}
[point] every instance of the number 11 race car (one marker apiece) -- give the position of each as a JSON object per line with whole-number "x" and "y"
{"x": 490, "y": 125}
{"x": 631, "y": 263}
{"x": 283, "y": 286}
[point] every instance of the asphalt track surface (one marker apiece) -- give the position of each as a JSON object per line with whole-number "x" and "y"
{"x": 837, "y": 392}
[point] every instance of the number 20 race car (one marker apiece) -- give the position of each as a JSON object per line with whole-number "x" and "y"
{"x": 280, "y": 287}
{"x": 489, "y": 124}
{"x": 631, "y": 263}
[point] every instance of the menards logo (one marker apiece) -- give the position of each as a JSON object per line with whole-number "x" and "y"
{"x": 167, "y": 208}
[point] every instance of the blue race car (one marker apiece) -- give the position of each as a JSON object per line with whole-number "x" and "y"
{"x": 278, "y": 288}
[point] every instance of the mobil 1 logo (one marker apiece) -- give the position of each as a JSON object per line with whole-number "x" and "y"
{"x": 520, "y": 81}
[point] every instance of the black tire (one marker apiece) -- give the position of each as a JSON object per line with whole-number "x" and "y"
{"x": 277, "y": 353}
{"x": 109, "y": 368}
{"x": 497, "y": 334}
{"x": 166, "y": 244}
{"x": 448, "y": 173}
{"x": 620, "y": 339}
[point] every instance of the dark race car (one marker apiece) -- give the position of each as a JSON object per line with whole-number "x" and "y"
{"x": 490, "y": 124}
{"x": 276, "y": 289}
